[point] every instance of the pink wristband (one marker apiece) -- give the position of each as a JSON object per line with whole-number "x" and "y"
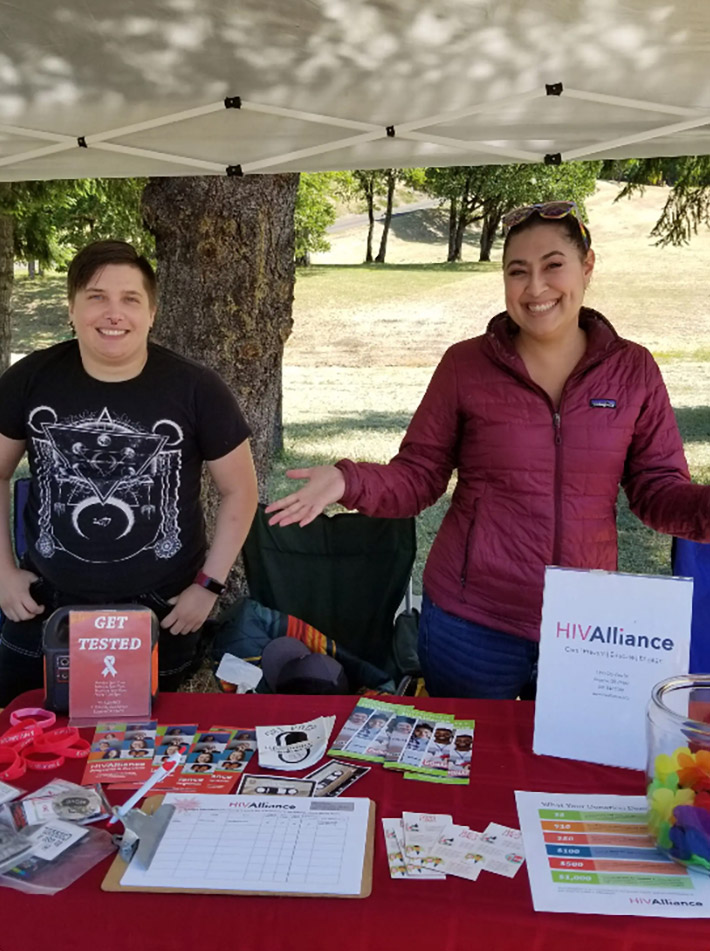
{"x": 45, "y": 718}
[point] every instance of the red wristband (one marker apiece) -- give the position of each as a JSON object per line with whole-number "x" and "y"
{"x": 13, "y": 763}
{"x": 45, "y": 718}
{"x": 20, "y": 736}
{"x": 64, "y": 740}
{"x": 27, "y": 755}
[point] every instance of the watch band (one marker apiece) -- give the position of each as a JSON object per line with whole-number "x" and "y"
{"x": 204, "y": 581}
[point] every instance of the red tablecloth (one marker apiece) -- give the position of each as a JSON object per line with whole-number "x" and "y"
{"x": 493, "y": 913}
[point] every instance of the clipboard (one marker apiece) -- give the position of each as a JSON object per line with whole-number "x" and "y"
{"x": 112, "y": 881}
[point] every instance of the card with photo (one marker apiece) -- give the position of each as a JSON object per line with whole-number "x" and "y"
{"x": 459, "y": 766}
{"x": 356, "y": 721}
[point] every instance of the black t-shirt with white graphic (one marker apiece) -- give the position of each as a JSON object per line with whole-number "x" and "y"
{"x": 114, "y": 505}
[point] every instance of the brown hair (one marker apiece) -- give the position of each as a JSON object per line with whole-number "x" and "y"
{"x": 97, "y": 255}
{"x": 569, "y": 224}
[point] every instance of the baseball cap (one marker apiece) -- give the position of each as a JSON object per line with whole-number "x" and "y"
{"x": 289, "y": 667}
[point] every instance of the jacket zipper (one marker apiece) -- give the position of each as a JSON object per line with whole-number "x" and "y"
{"x": 469, "y": 533}
{"x": 556, "y": 545}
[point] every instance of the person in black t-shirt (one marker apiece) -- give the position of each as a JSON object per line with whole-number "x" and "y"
{"x": 116, "y": 430}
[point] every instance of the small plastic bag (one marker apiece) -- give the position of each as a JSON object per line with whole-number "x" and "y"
{"x": 38, "y": 876}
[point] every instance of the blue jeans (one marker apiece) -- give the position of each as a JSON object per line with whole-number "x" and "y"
{"x": 463, "y": 659}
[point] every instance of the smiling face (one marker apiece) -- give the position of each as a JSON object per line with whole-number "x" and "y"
{"x": 545, "y": 278}
{"x": 112, "y": 316}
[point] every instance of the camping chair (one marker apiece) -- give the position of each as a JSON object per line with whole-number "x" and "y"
{"x": 21, "y": 494}
{"x": 345, "y": 575}
{"x": 692, "y": 560}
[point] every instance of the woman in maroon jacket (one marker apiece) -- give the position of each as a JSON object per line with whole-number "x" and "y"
{"x": 543, "y": 417}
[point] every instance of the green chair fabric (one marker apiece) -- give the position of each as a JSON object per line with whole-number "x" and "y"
{"x": 345, "y": 574}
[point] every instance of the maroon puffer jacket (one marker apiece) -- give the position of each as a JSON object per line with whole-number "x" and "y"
{"x": 535, "y": 487}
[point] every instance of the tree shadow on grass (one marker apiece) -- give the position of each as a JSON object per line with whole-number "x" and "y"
{"x": 693, "y": 423}
{"x": 348, "y": 423}
{"x": 317, "y": 270}
{"x": 39, "y": 313}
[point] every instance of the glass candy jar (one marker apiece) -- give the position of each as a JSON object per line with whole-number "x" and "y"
{"x": 678, "y": 768}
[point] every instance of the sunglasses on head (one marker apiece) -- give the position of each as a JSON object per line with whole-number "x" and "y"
{"x": 553, "y": 210}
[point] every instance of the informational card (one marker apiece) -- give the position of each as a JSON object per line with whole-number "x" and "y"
{"x": 593, "y": 855}
{"x": 210, "y": 761}
{"x": 110, "y": 657}
{"x": 606, "y": 639}
{"x": 394, "y": 843}
{"x": 421, "y": 832}
{"x": 121, "y": 752}
{"x": 457, "y": 851}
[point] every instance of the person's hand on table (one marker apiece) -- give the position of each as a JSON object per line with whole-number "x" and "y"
{"x": 16, "y": 602}
{"x": 191, "y": 609}
{"x": 324, "y": 485}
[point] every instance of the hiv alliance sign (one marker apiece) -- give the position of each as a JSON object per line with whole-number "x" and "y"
{"x": 606, "y": 639}
{"x": 111, "y": 662}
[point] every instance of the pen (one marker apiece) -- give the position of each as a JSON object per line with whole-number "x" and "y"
{"x": 159, "y": 774}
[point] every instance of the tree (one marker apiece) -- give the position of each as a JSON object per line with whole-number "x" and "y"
{"x": 21, "y": 204}
{"x": 94, "y": 209}
{"x": 461, "y": 186}
{"x": 390, "y": 176}
{"x": 486, "y": 192}
{"x": 368, "y": 184}
{"x": 226, "y": 275}
{"x": 687, "y": 207}
{"x": 510, "y": 186}
{"x": 315, "y": 212}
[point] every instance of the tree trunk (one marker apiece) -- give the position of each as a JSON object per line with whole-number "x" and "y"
{"x": 7, "y": 258}
{"x": 370, "y": 196}
{"x": 489, "y": 230}
{"x": 31, "y": 270}
{"x": 453, "y": 218}
{"x": 391, "y": 182}
{"x": 455, "y": 251}
{"x": 226, "y": 275}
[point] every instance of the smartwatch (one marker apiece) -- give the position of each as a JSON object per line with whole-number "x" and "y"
{"x": 204, "y": 581}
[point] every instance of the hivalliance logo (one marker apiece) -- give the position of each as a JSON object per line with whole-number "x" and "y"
{"x": 637, "y": 900}
{"x": 613, "y": 635}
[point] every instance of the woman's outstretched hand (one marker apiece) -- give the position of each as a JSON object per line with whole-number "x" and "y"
{"x": 324, "y": 485}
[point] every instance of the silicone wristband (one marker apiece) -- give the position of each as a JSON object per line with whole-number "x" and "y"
{"x": 65, "y": 740}
{"x": 14, "y": 765}
{"x": 18, "y": 737}
{"x": 30, "y": 763}
{"x": 78, "y": 750}
{"x": 45, "y": 718}
{"x": 59, "y": 738}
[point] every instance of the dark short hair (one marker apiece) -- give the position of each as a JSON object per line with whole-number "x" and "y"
{"x": 569, "y": 224}
{"x": 100, "y": 253}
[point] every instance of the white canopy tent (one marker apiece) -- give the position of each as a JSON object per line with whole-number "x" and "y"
{"x": 193, "y": 87}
